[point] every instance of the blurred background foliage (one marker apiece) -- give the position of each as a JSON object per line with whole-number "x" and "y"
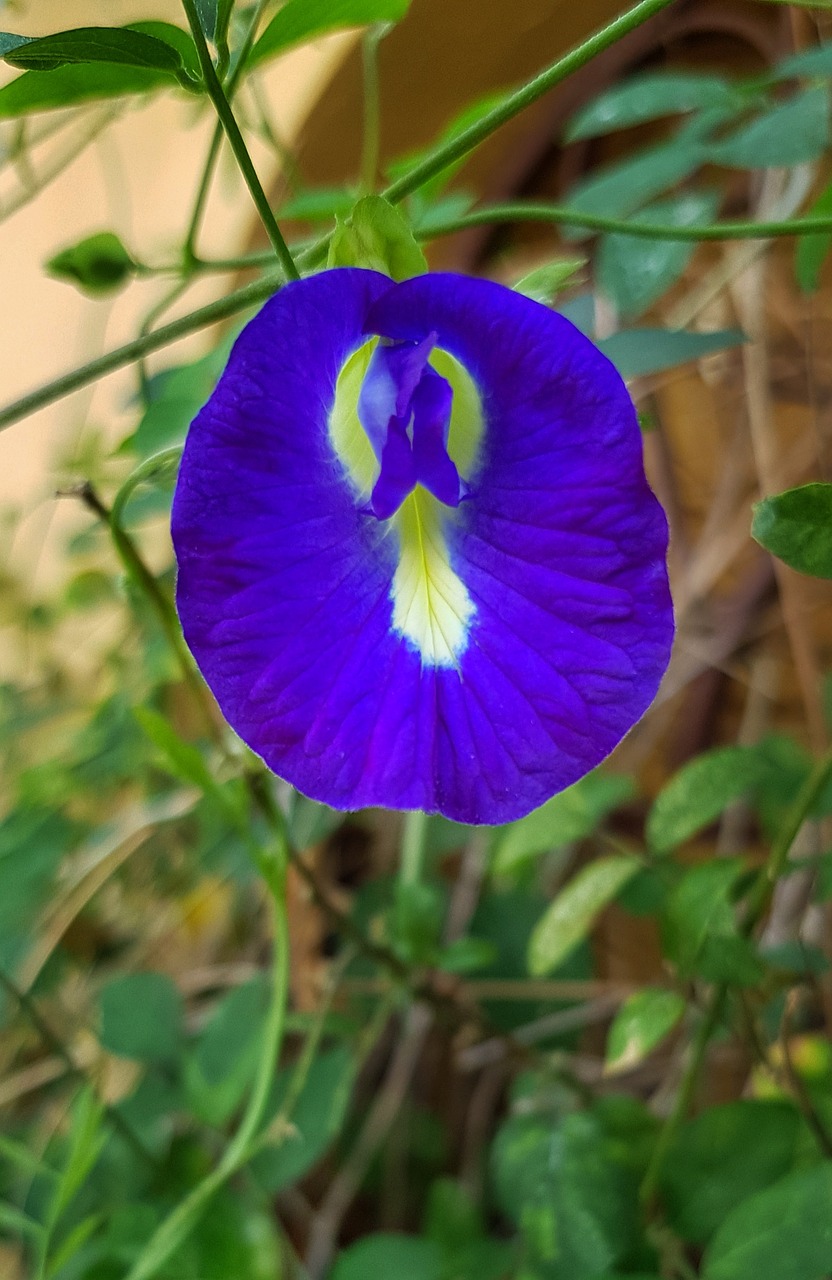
{"x": 593, "y": 1044}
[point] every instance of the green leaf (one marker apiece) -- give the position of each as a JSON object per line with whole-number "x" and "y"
{"x": 568, "y": 1187}
{"x": 544, "y": 283}
{"x": 699, "y": 927}
{"x": 571, "y": 815}
{"x": 377, "y": 236}
{"x": 649, "y": 97}
{"x": 633, "y": 272}
{"x": 70, "y": 86}
{"x": 318, "y": 204}
{"x": 722, "y": 1157}
{"x": 782, "y": 1233}
{"x": 809, "y": 62}
{"x": 182, "y": 759}
{"x": 638, "y": 352}
{"x": 389, "y": 1254}
{"x": 796, "y": 526}
{"x": 701, "y": 790}
{"x": 793, "y": 132}
{"x": 301, "y": 20}
{"x": 219, "y": 1069}
{"x": 86, "y": 1139}
{"x": 811, "y": 251}
{"x": 175, "y": 397}
{"x": 97, "y": 264}
{"x": 570, "y": 917}
{"x": 466, "y": 955}
{"x": 121, "y": 45}
{"x": 621, "y": 188}
{"x": 641, "y": 1023}
{"x": 141, "y": 1017}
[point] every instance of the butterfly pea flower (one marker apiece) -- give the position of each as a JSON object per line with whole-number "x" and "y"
{"x": 419, "y": 564}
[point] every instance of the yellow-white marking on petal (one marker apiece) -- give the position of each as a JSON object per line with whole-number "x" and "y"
{"x": 431, "y": 605}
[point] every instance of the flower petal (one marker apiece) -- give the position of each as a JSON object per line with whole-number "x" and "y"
{"x": 548, "y": 624}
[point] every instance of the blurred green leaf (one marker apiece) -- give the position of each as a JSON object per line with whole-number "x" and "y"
{"x": 174, "y": 399}
{"x": 570, "y": 917}
{"x": 389, "y": 1254}
{"x": 701, "y": 790}
{"x": 97, "y": 264}
{"x": 569, "y": 1189}
{"x": 141, "y": 1017}
{"x": 318, "y": 204}
{"x": 377, "y": 236}
{"x": 792, "y": 132}
{"x": 621, "y": 188}
{"x": 811, "y": 251}
{"x": 301, "y": 20}
{"x": 466, "y": 955}
{"x": 641, "y": 1023}
{"x": 544, "y": 283}
{"x": 699, "y": 927}
{"x": 634, "y": 272}
{"x": 417, "y": 920}
{"x": 782, "y": 1233}
{"x": 569, "y": 816}
{"x": 638, "y": 352}
{"x": 649, "y": 97}
{"x": 796, "y": 526}
{"x": 223, "y": 1060}
{"x": 816, "y": 61}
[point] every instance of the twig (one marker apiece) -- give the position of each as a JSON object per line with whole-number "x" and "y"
{"x": 383, "y": 1112}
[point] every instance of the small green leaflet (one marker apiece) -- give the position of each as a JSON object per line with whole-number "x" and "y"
{"x": 811, "y": 251}
{"x": 796, "y": 526}
{"x": 93, "y": 44}
{"x": 301, "y": 20}
{"x": 641, "y": 1023}
{"x": 649, "y": 97}
{"x": 568, "y": 919}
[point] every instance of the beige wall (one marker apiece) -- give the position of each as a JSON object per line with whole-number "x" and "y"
{"x": 138, "y": 179}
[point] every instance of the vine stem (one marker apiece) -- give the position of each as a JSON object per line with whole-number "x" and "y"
{"x": 516, "y": 102}
{"x": 563, "y": 215}
{"x": 177, "y": 1226}
{"x": 372, "y": 113}
{"x": 232, "y": 130}
{"x": 231, "y": 83}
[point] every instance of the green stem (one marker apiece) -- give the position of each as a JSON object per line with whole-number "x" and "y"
{"x": 178, "y": 1225}
{"x": 222, "y": 309}
{"x": 414, "y": 840}
{"x": 189, "y": 248}
{"x": 164, "y": 608}
{"x": 686, "y": 1094}
{"x": 534, "y": 211}
{"x": 372, "y": 115}
{"x": 238, "y": 145}
{"x": 516, "y": 102}
{"x": 781, "y": 847}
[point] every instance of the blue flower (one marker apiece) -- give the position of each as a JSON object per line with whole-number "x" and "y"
{"x": 419, "y": 563}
